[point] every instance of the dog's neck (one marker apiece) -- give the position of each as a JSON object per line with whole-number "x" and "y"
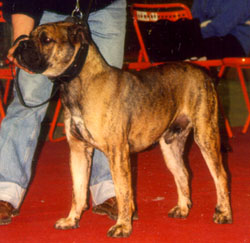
{"x": 94, "y": 62}
{"x": 76, "y": 66}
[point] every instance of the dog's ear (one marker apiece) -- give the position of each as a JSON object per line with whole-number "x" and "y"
{"x": 79, "y": 33}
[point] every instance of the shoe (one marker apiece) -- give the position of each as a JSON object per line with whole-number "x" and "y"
{"x": 7, "y": 211}
{"x": 109, "y": 208}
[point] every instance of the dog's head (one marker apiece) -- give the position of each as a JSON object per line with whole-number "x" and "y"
{"x": 51, "y": 48}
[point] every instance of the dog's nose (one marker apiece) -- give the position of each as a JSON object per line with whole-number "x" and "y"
{"x": 23, "y": 44}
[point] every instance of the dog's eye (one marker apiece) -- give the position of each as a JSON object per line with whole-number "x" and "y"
{"x": 45, "y": 39}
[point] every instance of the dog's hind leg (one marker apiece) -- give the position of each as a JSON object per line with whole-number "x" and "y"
{"x": 121, "y": 173}
{"x": 80, "y": 163}
{"x": 206, "y": 135}
{"x": 173, "y": 154}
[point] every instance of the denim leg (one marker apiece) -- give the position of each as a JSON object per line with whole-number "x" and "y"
{"x": 20, "y": 130}
{"x": 18, "y": 137}
{"x": 107, "y": 28}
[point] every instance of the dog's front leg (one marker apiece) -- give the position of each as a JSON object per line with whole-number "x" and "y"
{"x": 121, "y": 173}
{"x": 80, "y": 163}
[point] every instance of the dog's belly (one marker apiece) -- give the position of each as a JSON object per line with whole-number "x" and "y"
{"x": 149, "y": 134}
{"x": 140, "y": 139}
{"x": 142, "y": 132}
{"x": 140, "y": 144}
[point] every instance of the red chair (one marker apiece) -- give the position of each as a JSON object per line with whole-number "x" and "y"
{"x": 239, "y": 64}
{"x": 153, "y": 13}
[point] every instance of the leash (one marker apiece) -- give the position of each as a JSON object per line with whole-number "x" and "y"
{"x": 20, "y": 95}
{"x": 72, "y": 71}
{"x": 78, "y": 13}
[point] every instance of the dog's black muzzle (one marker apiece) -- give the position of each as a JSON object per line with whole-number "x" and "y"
{"x": 28, "y": 56}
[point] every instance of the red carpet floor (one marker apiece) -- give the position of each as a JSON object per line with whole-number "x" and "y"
{"x": 49, "y": 198}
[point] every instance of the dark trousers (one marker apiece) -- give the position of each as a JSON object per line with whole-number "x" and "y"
{"x": 220, "y": 47}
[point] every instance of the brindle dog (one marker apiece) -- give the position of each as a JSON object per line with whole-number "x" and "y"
{"x": 119, "y": 112}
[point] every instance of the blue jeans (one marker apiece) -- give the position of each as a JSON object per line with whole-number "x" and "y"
{"x": 21, "y": 126}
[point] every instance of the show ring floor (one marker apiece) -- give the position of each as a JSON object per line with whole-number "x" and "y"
{"x": 49, "y": 198}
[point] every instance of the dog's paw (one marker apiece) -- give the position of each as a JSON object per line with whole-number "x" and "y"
{"x": 221, "y": 217}
{"x": 178, "y": 212}
{"x": 67, "y": 223}
{"x": 119, "y": 230}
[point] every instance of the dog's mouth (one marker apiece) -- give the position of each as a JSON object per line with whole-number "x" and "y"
{"x": 28, "y": 56}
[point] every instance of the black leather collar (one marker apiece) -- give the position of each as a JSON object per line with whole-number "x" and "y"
{"x": 75, "y": 68}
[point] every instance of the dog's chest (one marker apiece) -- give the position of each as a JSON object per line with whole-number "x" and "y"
{"x": 79, "y": 130}
{"x": 74, "y": 112}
